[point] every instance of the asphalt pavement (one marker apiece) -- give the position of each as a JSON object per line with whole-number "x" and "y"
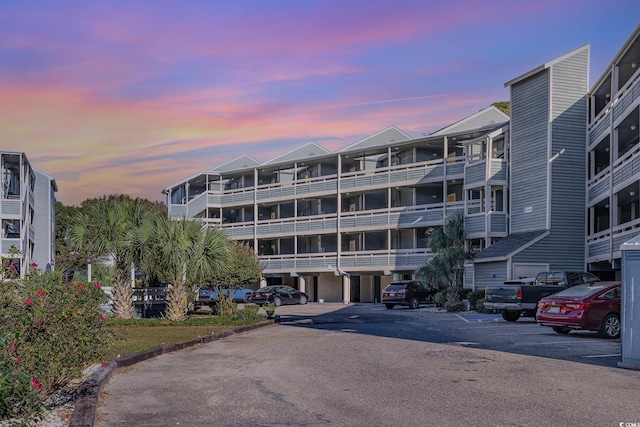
{"x": 359, "y": 365}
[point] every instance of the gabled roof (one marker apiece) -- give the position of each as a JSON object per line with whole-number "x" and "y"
{"x": 510, "y": 245}
{"x": 310, "y": 149}
{"x": 383, "y": 137}
{"x": 545, "y": 66}
{"x": 242, "y": 162}
{"x": 490, "y": 116}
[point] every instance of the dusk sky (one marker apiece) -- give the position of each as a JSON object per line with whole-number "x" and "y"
{"x": 128, "y": 97}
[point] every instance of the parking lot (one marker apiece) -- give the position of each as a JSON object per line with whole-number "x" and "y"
{"x": 364, "y": 365}
{"x": 470, "y": 329}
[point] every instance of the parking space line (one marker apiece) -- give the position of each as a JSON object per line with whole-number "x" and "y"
{"x": 602, "y": 355}
{"x": 460, "y": 317}
{"x": 553, "y": 342}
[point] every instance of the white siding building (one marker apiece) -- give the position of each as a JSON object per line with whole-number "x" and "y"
{"x": 27, "y": 199}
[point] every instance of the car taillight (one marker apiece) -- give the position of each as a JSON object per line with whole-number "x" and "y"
{"x": 519, "y": 293}
{"x": 401, "y": 291}
{"x": 541, "y": 304}
{"x": 577, "y": 306}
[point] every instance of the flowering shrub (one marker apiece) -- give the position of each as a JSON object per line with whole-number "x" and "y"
{"x": 49, "y": 332}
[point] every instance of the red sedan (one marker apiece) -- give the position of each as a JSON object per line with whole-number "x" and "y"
{"x": 593, "y": 307}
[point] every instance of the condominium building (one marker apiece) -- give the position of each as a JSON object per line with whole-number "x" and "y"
{"x": 555, "y": 186}
{"x": 613, "y": 160}
{"x": 341, "y": 225}
{"x": 27, "y": 200}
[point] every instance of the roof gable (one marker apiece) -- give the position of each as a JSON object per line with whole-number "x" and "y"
{"x": 489, "y": 116}
{"x": 242, "y": 162}
{"x": 381, "y": 138}
{"x": 510, "y": 245}
{"x": 310, "y": 149}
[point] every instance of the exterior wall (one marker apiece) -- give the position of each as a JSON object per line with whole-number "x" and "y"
{"x": 330, "y": 287}
{"x": 490, "y": 273}
{"x": 546, "y": 251}
{"x": 44, "y": 221}
{"x": 529, "y": 153}
{"x": 568, "y": 169}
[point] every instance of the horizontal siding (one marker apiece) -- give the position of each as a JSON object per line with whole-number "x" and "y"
{"x": 529, "y": 126}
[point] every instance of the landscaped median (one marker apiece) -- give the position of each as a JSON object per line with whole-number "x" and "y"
{"x": 85, "y": 408}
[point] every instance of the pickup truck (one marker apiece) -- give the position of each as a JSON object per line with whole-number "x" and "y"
{"x": 520, "y": 297}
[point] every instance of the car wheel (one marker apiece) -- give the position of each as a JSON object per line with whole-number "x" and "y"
{"x": 303, "y": 299}
{"x": 247, "y": 298}
{"x": 389, "y": 306}
{"x": 414, "y": 303}
{"x": 510, "y": 316}
{"x": 561, "y": 330}
{"x": 277, "y": 301}
{"x": 610, "y": 327}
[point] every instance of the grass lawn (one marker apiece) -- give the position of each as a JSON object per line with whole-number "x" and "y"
{"x": 134, "y": 335}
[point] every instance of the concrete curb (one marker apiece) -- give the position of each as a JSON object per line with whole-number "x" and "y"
{"x": 84, "y": 412}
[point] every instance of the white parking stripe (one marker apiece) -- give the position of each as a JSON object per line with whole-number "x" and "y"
{"x": 603, "y": 355}
{"x": 463, "y": 318}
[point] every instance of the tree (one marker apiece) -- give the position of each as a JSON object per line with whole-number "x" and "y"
{"x": 105, "y": 228}
{"x": 66, "y": 256}
{"x": 244, "y": 268}
{"x": 445, "y": 268}
{"x": 184, "y": 252}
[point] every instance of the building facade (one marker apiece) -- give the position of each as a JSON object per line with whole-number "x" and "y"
{"x": 341, "y": 225}
{"x": 555, "y": 186}
{"x": 27, "y": 202}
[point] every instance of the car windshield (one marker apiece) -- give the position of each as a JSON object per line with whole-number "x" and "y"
{"x": 580, "y": 291}
{"x": 266, "y": 289}
{"x": 396, "y": 286}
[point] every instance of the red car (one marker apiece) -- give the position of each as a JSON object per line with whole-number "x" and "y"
{"x": 593, "y": 307}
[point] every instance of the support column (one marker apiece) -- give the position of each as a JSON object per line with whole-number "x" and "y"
{"x": 302, "y": 285}
{"x": 263, "y": 282}
{"x": 396, "y": 276}
{"x": 346, "y": 289}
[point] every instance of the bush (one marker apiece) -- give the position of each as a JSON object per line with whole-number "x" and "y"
{"x": 474, "y": 296}
{"x": 49, "y": 332}
{"x": 463, "y": 293}
{"x": 454, "y": 306}
{"x": 248, "y": 313}
{"x": 479, "y": 306}
{"x": 440, "y": 298}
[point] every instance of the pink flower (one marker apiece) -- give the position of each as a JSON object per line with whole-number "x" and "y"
{"x": 34, "y": 265}
{"x": 97, "y": 285}
{"x": 17, "y": 360}
{"x": 12, "y": 267}
{"x": 41, "y": 292}
{"x": 81, "y": 287}
{"x": 28, "y": 301}
{"x": 102, "y": 318}
{"x": 36, "y": 384}
{"x": 104, "y": 363}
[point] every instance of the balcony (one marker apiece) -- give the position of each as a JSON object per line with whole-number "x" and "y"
{"x": 303, "y": 225}
{"x": 399, "y": 260}
{"x": 401, "y": 217}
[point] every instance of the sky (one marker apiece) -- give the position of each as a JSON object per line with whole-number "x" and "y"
{"x": 129, "y": 97}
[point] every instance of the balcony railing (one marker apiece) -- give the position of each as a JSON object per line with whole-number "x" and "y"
{"x": 400, "y": 217}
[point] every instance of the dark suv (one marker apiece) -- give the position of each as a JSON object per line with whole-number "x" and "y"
{"x": 411, "y": 293}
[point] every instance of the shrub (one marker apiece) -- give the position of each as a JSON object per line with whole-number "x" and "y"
{"x": 479, "y": 306}
{"x": 474, "y": 296}
{"x": 440, "y": 298}
{"x": 454, "y": 306}
{"x": 248, "y": 313}
{"x": 50, "y": 332}
{"x": 463, "y": 293}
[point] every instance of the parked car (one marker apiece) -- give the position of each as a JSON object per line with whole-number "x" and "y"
{"x": 520, "y": 297}
{"x": 211, "y": 294}
{"x": 594, "y": 307}
{"x": 279, "y": 295}
{"x": 411, "y": 293}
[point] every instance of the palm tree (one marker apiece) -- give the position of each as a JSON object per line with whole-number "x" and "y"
{"x": 445, "y": 268}
{"x": 104, "y": 228}
{"x": 182, "y": 252}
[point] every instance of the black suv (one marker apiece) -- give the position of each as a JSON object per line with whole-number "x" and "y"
{"x": 411, "y": 293}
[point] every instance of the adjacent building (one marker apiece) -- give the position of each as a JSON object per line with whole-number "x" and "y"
{"x": 554, "y": 186}
{"x": 27, "y": 200}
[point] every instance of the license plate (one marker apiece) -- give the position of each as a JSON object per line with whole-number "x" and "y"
{"x": 392, "y": 294}
{"x": 554, "y": 309}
